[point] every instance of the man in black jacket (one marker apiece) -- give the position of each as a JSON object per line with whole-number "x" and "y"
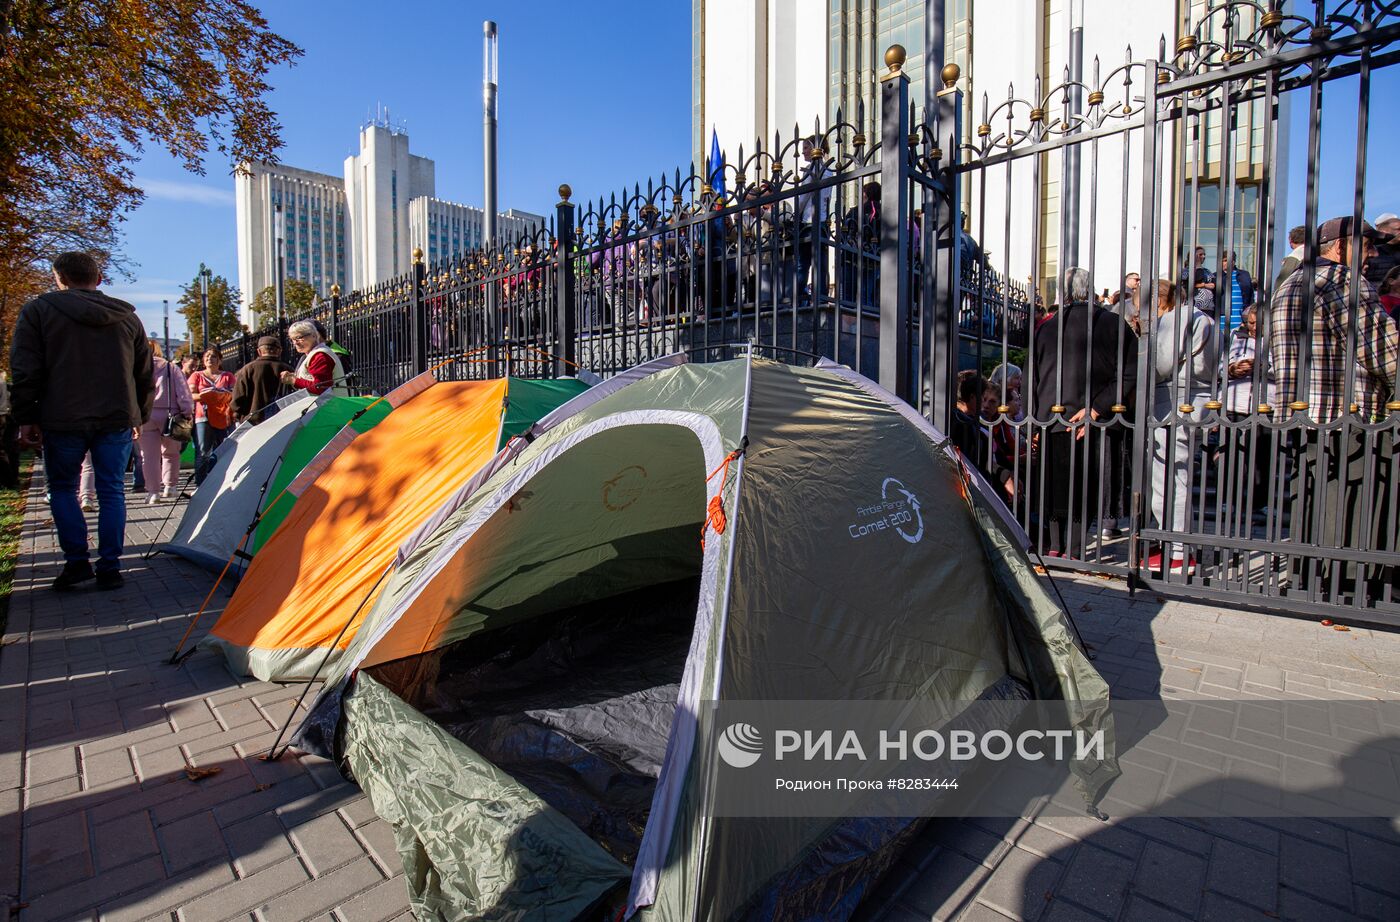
{"x": 82, "y": 383}
{"x": 1085, "y": 367}
{"x": 259, "y": 383}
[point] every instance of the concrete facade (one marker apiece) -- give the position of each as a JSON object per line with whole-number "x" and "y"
{"x": 765, "y": 72}
{"x": 314, "y": 212}
{"x": 380, "y": 181}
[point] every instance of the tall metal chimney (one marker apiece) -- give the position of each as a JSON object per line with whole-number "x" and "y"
{"x": 488, "y": 105}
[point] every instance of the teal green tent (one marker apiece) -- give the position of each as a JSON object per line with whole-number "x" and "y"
{"x": 522, "y": 703}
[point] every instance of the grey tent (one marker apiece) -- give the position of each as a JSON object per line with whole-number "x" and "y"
{"x": 228, "y": 501}
{"x": 521, "y": 703}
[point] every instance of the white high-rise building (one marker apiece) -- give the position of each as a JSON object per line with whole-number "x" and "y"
{"x": 380, "y": 181}
{"x": 313, "y": 212}
{"x": 446, "y": 229}
{"x": 355, "y": 230}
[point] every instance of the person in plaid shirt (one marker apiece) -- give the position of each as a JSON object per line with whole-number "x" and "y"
{"x": 1377, "y": 337}
{"x": 1345, "y": 471}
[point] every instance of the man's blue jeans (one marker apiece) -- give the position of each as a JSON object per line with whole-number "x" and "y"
{"x": 63, "y": 462}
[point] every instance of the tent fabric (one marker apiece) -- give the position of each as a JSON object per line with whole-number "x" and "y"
{"x": 488, "y": 809}
{"x": 517, "y": 443}
{"x": 220, "y": 511}
{"x": 359, "y": 413}
{"x": 794, "y": 602}
{"x": 305, "y": 593}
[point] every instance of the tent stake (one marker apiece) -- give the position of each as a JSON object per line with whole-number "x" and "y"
{"x": 151, "y": 551}
{"x": 272, "y": 754}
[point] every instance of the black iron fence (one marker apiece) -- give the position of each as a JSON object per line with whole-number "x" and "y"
{"x": 1164, "y": 432}
{"x": 791, "y": 260}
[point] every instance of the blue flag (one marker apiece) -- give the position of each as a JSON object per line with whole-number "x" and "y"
{"x": 716, "y": 177}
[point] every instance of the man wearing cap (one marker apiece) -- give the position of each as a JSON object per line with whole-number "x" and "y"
{"x": 1387, "y": 249}
{"x": 259, "y": 383}
{"x": 1312, "y": 376}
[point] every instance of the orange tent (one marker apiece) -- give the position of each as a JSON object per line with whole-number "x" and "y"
{"x": 323, "y": 565}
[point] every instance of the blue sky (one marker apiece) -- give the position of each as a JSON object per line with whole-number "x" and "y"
{"x": 592, "y": 94}
{"x": 595, "y": 94}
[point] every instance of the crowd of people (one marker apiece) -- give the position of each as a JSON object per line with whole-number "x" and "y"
{"x": 98, "y": 398}
{"x": 1218, "y": 383}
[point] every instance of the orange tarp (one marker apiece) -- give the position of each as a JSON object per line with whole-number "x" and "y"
{"x": 324, "y": 560}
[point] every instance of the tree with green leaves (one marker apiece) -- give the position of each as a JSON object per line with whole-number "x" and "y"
{"x": 87, "y": 83}
{"x": 296, "y": 295}
{"x": 223, "y": 310}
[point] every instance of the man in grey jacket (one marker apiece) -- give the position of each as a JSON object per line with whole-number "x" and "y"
{"x": 82, "y": 382}
{"x": 1185, "y": 362}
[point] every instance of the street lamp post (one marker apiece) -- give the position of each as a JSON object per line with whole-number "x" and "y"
{"x": 488, "y": 108}
{"x": 1069, "y": 209}
{"x": 281, "y": 260}
{"x": 204, "y": 275}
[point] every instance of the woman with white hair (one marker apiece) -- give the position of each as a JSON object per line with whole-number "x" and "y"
{"x": 1010, "y": 376}
{"x": 320, "y": 369}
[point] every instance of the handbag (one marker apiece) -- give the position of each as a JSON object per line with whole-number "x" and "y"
{"x": 178, "y": 427}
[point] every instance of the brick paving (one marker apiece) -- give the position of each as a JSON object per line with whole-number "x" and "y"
{"x": 99, "y": 820}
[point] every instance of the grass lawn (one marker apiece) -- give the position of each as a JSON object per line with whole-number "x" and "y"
{"x": 11, "y": 516}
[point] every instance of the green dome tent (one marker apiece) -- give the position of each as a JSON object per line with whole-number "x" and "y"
{"x": 521, "y": 703}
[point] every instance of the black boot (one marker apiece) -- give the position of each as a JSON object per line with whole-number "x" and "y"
{"x": 74, "y": 572}
{"x": 110, "y": 579}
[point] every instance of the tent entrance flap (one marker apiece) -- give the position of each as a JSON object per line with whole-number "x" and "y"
{"x": 575, "y": 704}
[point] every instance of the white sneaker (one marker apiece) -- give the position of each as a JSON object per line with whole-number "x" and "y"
{"x": 152, "y": 499}
{"x": 88, "y": 504}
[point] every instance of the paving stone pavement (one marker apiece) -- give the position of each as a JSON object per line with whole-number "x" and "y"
{"x": 99, "y": 820}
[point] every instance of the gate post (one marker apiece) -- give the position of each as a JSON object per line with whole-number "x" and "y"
{"x": 565, "y": 317}
{"x": 1142, "y": 432}
{"x": 894, "y": 226}
{"x": 335, "y": 311}
{"x": 418, "y": 314}
{"x": 946, "y": 224}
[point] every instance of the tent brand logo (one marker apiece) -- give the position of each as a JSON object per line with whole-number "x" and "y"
{"x": 625, "y": 488}
{"x": 740, "y": 745}
{"x": 897, "y": 511}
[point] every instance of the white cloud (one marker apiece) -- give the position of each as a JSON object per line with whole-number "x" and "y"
{"x": 196, "y": 193}
{"x": 147, "y": 293}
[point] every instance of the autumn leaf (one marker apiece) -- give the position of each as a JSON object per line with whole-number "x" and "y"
{"x": 199, "y": 774}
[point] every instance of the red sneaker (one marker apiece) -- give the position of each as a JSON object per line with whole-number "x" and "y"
{"x": 1177, "y": 567}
